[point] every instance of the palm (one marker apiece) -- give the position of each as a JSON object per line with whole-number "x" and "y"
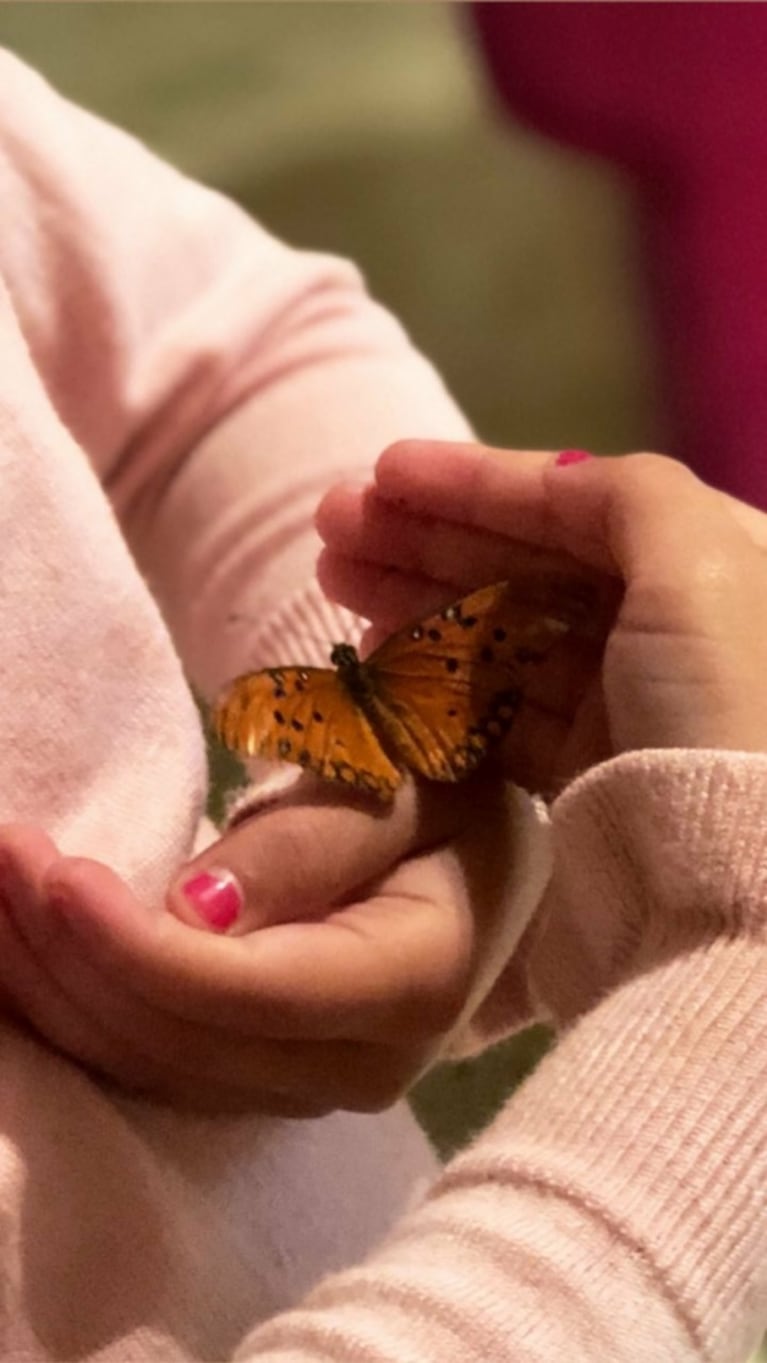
{"x": 545, "y": 750}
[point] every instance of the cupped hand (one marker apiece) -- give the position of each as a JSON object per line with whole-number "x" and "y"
{"x": 686, "y": 655}
{"x": 364, "y": 938}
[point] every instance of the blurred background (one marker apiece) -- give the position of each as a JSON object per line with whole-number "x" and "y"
{"x": 370, "y": 130}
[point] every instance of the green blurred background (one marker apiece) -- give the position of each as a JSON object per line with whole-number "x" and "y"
{"x": 367, "y": 129}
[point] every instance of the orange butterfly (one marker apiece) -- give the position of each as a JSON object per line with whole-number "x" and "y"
{"x": 433, "y": 698}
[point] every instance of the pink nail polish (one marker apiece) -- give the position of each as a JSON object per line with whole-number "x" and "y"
{"x": 216, "y": 896}
{"x": 571, "y": 457}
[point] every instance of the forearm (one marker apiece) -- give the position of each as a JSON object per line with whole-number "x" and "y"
{"x": 614, "y": 1207}
{"x": 217, "y": 379}
{"x": 227, "y": 539}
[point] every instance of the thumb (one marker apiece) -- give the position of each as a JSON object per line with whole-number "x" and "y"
{"x": 640, "y": 514}
{"x": 295, "y": 859}
{"x": 685, "y": 663}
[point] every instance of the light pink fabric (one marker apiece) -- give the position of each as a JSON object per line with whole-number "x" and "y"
{"x": 157, "y": 344}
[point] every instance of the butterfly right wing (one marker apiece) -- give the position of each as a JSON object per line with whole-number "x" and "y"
{"x": 304, "y": 715}
{"x": 449, "y": 688}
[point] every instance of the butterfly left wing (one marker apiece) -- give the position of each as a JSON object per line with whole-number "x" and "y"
{"x": 448, "y": 689}
{"x": 304, "y": 715}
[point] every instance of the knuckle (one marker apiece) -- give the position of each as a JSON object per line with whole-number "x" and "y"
{"x": 380, "y": 1081}
{"x": 274, "y": 866}
{"x": 20, "y": 840}
{"x": 398, "y": 449}
{"x": 648, "y": 466}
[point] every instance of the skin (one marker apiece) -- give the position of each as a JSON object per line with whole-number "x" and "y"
{"x": 685, "y": 660}
{"x": 295, "y": 1016}
{"x": 343, "y": 1001}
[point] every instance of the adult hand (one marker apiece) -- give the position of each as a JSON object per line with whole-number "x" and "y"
{"x": 686, "y": 657}
{"x": 364, "y": 938}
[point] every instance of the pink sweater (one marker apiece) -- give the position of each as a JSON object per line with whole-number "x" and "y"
{"x": 176, "y": 390}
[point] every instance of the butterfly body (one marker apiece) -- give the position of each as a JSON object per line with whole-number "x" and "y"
{"x": 353, "y": 674}
{"x": 433, "y": 698}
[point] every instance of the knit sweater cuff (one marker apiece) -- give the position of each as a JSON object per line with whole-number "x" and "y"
{"x": 654, "y": 851}
{"x": 650, "y": 1115}
{"x": 302, "y": 629}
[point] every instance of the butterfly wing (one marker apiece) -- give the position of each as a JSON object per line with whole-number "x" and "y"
{"x": 448, "y": 688}
{"x": 304, "y": 715}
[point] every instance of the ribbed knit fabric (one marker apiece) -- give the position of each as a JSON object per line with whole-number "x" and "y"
{"x": 616, "y": 1208}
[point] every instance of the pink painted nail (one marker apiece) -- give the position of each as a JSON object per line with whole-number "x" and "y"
{"x": 216, "y": 896}
{"x": 572, "y": 457}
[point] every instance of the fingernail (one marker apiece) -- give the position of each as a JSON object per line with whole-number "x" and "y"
{"x": 571, "y": 457}
{"x": 216, "y": 896}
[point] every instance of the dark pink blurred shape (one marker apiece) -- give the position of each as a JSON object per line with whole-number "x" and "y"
{"x": 676, "y": 95}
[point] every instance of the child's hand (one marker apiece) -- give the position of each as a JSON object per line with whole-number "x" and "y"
{"x": 362, "y": 942}
{"x": 686, "y": 658}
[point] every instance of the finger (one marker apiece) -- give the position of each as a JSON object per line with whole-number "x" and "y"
{"x": 379, "y": 592}
{"x": 643, "y": 514}
{"x": 25, "y": 853}
{"x": 352, "y": 975}
{"x": 369, "y": 528}
{"x": 33, "y": 960}
{"x": 472, "y": 485}
{"x": 590, "y": 510}
{"x": 92, "y": 1014}
{"x": 100, "y": 1021}
{"x": 501, "y": 490}
{"x": 28, "y": 952}
{"x": 294, "y": 859}
{"x": 373, "y": 530}
{"x": 685, "y": 665}
{"x": 753, "y": 521}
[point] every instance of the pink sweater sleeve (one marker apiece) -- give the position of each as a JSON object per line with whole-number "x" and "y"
{"x": 218, "y": 380}
{"x": 616, "y": 1207}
